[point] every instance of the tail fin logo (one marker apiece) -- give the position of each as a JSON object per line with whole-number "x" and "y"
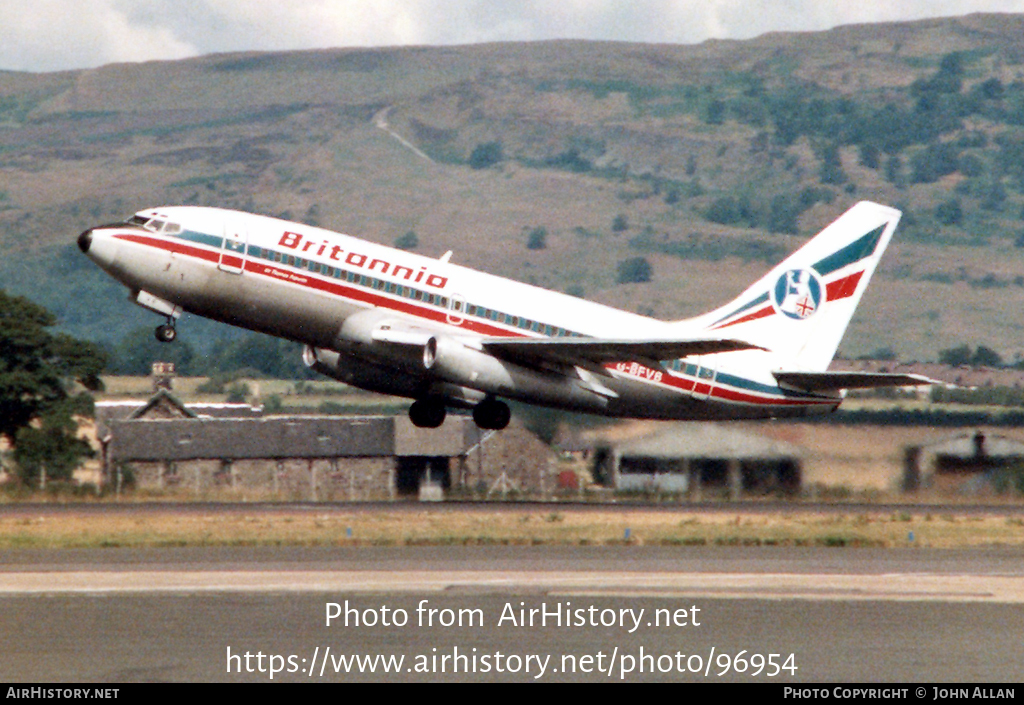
{"x": 798, "y": 293}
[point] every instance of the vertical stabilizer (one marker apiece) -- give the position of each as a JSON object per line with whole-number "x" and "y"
{"x": 800, "y": 310}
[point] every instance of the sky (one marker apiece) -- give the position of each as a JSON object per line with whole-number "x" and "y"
{"x": 56, "y": 35}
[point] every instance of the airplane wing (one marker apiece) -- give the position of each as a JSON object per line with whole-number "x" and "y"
{"x": 834, "y": 381}
{"x": 591, "y": 352}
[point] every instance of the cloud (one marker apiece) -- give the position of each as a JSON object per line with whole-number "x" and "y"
{"x": 47, "y": 35}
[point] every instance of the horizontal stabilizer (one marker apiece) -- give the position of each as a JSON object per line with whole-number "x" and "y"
{"x": 576, "y": 351}
{"x": 834, "y": 381}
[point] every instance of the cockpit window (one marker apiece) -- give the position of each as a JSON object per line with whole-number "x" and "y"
{"x": 155, "y": 224}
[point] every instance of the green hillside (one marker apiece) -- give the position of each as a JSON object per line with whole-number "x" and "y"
{"x": 554, "y": 162}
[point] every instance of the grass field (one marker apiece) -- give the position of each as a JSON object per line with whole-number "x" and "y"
{"x": 508, "y": 526}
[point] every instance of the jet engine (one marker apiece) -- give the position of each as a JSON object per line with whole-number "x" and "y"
{"x": 460, "y": 364}
{"x": 365, "y": 375}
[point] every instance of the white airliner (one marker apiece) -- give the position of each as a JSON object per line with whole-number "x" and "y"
{"x": 447, "y": 336}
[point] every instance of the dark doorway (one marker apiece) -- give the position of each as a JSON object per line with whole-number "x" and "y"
{"x": 414, "y": 470}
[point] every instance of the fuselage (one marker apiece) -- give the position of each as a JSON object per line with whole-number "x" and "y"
{"x": 335, "y": 293}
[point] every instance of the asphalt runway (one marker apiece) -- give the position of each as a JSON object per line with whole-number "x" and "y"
{"x": 547, "y": 614}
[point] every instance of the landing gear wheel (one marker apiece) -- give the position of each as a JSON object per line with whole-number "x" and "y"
{"x": 492, "y": 414}
{"x": 166, "y": 333}
{"x": 427, "y": 413}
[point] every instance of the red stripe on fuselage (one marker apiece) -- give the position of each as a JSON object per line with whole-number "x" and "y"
{"x": 700, "y": 386}
{"x": 330, "y": 286}
{"x": 175, "y": 246}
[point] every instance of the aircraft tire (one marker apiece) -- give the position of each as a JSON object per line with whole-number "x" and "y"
{"x": 492, "y": 414}
{"x": 166, "y": 333}
{"x": 427, "y": 413}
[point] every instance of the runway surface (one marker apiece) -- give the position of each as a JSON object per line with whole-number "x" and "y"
{"x": 623, "y": 613}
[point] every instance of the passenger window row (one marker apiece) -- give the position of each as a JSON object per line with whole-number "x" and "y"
{"x": 409, "y": 292}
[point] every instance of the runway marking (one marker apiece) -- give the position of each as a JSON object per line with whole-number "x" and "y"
{"x": 781, "y": 586}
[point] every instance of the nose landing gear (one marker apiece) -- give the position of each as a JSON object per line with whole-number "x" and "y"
{"x": 166, "y": 332}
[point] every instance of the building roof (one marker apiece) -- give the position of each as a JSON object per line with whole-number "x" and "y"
{"x": 695, "y": 440}
{"x": 237, "y": 439}
{"x": 163, "y": 404}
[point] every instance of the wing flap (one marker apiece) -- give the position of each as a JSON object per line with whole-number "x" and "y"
{"x": 834, "y": 381}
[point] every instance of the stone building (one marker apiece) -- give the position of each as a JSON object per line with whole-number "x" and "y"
{"x": 164, "y": 446}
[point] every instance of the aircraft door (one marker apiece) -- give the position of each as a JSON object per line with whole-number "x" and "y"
{"x": 705, "y": 380}
{"x": 233, "y": 251}
{"x": 456, "y": 309}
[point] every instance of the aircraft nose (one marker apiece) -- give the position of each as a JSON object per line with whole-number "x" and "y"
{"x": 85, "y": 241}
{"x": 99, "y": 245}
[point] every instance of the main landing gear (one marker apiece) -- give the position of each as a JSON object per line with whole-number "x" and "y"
{"x": 427, "y": 413}
{"x": 166, "y": 332}
{"x": 489, "y": 414}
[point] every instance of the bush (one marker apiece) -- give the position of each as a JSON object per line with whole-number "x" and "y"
{"x": 955, "y": 356}
{"x": 831, "y": 171}
{"x": 984, "y": 356}
{"x": 238, "y": 392}
{"x": 732, "y": 210}
{"x": 634, "y": 270}
{"x": 409, "y": 241}
{"x": 933, "y": 162}
{"x": 950, "y": 212}
{"x": 486, "y": 155}
{"x": 537, "y": 239}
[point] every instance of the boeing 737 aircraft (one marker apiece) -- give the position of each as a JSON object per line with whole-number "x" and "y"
{"x": 447, "y": 336}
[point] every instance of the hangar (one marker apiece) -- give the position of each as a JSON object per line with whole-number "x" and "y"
{"x": 966, "y": 463}
{"x": 699, "y": 459}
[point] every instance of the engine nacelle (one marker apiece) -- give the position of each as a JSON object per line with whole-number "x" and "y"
{"x": 378, "y": 336}
{"x": 459, "y": 364}
{"x": 365, "y": 375}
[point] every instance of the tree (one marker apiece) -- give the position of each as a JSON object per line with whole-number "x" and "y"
{"x": 933, "y": 162}
{"x": 486, "y": 155}
{"x": 254, "y": 354}
{"x": 715, "y": 112}
{"x": 870, "y": 155}
{"x": 831, "y": 170}
{"x": 634, "y": 270}
{"x": 620, "y": 223}
{"x": 894, "y": 171}
{"x": 409, "y": 241}
{"x": 955, "y": 357}
{"x": 985, "y": 356}
{"x": 38, "y": 369}
{"x": 50, "y": 446}
{"x": 950, "y": 212}
{"x": 537, "y": 239}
